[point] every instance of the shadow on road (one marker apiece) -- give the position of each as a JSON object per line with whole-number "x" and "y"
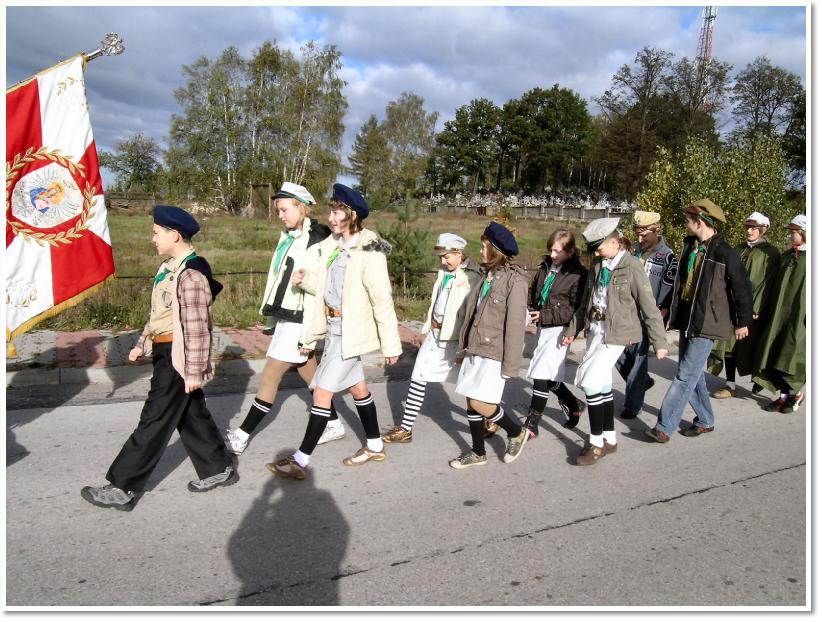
{"x": 289, "y": 547}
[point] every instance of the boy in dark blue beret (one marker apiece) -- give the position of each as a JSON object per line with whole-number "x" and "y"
{"x": 178, "y": 338}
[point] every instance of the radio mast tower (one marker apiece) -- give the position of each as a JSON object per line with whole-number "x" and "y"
{"x": 704, "y": 50}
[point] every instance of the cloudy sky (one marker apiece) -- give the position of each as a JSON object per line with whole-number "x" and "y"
{"x": 447, "y": 55}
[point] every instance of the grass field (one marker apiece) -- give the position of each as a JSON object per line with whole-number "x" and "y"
{"x": 239, "y": 245}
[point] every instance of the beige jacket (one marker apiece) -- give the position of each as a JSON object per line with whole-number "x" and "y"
{"x": 465, "y": 277}
{"x": 368, "y": 319}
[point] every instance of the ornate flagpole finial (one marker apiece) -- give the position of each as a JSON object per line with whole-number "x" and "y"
{"x": 111, "y": 45}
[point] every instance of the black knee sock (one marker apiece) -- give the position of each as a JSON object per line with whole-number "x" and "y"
{"x": 565, "y": 396}
{"x": 315, "y": 428}
{"x": 607, "y": 407}
{"x": 477, "y": 427}
{"x": 595, "y": 413}
{"x": 333, "y": 416}
{"x": 539, "y": 395}
{"x": 367, "y": 411}
{"x": 506, "y": 422}
{"x": 258, "y": 410}
{"x": 730, "y": 368}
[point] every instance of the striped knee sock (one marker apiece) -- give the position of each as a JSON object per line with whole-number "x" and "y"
{"x": 315, "y": 428}
{"x": 259, "y": 409}
{"x": 607, "y": 407}
{"x": 413, "y": 403}
{"x": 539, "y": 394}
{"x": 595, "y": 413}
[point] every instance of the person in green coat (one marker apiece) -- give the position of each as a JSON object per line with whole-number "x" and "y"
{"x": 780, "y": 356}
{"x": 761, "y": 260}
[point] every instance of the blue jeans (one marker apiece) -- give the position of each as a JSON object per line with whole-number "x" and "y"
{"x": 688, "y": 387}
{"x": 633, "y": 367}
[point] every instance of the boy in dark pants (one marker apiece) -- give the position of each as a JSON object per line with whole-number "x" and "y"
{"x": 178, "y": 337}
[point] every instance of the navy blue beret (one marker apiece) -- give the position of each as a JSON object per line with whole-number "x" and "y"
{"x": 175, "y": 218}
{"x": 352, "y": 199}
{"x": 502, "y": 239}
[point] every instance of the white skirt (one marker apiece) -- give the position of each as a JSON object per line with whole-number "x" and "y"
{"x": 481, "y": 379}
{"x": 435, "y": 361}
{"x": 596, "y": 369}
{"x": 285, "y": 341}
{"x": 334, "y": 373}
{"x": 548, "y": 362}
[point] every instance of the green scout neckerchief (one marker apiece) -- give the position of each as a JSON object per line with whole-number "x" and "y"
{"x": 166, "y": 271}
{"x": 546, "y": 288}
{"x": 332, "y": 257}
{"x": 445, "y": 280}
{"x": 692, "y": 258}
{"x": 486, "y": 285}
{"x": 604, "y": 276}
{"x": 282, "y": 249}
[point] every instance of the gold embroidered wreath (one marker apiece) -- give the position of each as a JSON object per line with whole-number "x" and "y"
{"x": 62, "y": 237}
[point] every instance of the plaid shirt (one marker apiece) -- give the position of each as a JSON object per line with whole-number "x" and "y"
{"x": 196, "y": 319}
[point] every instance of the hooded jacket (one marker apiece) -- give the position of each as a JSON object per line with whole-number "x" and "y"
{"x": 369, "y": 321}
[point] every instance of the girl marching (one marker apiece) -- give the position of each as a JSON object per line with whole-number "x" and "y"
{"x": 618, "y": 301}
{"x": 349, "y": 274}
{"x": 284, "y": 306}
{"x": 436, "y": 356}
{"x": 555, "y": 294}
{"x": 491, "y": 341}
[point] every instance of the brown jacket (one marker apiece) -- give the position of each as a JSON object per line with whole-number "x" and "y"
{"x": 565, "y": 295}
{"x": 496, "y": 330}
{"x": 631, "y": 304}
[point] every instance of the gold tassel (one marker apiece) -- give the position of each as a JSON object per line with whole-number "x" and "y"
{"x": 11, "y": 350}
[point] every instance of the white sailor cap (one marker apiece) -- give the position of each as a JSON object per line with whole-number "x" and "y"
{"x": 799, "y": 221}
{"x": 294, "y": 191}
{"x": 448, "y": 242}
{"x": 599, "y": 229}
{"x": 759, "y": 219}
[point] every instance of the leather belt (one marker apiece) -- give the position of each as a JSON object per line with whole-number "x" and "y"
{"x": 162, "y": 338}
{"x": 329, "y": 312}
{"x": 435, "y": 324}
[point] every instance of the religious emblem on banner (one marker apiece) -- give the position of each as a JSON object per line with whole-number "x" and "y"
{"x": 58, "y": 249}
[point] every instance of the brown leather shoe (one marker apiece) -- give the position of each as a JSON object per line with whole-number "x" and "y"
{"x": 287, "y": 467}
{"x": 610, "y": 449}
{"x": 590, "y": 454}
{"x": 363, "y": 455}
{"x": 397, "y": 434}
{"x": 658, "y": 435}
{"x": 723, "y": 393}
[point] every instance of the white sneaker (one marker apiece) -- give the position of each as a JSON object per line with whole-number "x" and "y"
{"x": 234, "y": 444}
{"x": 334, "y": 431}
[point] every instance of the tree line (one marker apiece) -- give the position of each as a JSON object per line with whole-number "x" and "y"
{"x": 278, "y": 116}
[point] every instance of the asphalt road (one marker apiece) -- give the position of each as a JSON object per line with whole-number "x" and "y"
{"x": 718, "y": 520}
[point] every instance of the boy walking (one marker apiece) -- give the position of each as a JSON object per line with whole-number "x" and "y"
{"x": 178, "y": 338}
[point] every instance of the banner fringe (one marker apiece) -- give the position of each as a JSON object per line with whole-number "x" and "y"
{"x": 71, "y": 302}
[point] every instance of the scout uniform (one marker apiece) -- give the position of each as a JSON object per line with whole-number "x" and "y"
{"x": 491, "y": 340}
{"x": 619, "y": 306}
{"x": 435, "y": 360}
{"x": 178, "y": 336}
{"x": 283, "y": 306}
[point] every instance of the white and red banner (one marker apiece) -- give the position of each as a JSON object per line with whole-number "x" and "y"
{"x": 58, "y": 249}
